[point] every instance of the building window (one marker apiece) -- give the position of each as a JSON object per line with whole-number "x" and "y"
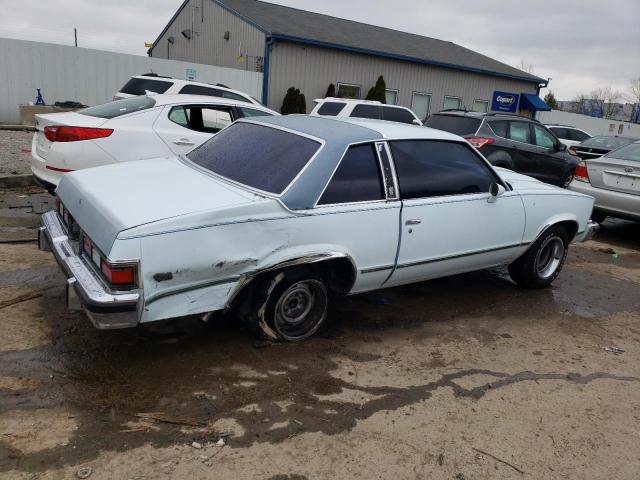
{"x": 391, "y": 96}
{"x": 452, "y": 103}
{"x": 481, "y": 106}
{"x": 421, "y": 104}
{"x": 346, "y": 90}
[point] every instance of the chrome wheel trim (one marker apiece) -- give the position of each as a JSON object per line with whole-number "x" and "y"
{"x": 549, "y": 257}
{"x": 301, "y": 309}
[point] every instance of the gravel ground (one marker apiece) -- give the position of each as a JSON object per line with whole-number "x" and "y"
{"x": 466, "y": 378}
{"x": 13, "y": 160}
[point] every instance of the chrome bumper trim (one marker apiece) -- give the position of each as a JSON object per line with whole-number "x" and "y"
{"x": 105, "y": 309}
{"x": 587, "y": 233}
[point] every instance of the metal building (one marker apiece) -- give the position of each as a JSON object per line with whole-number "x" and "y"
{"x": 310, "y": 51}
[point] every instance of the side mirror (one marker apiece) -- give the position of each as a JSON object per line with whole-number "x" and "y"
{"x": 561, "y": 147}
{"x": 417, "y": 122}
{"x": 494, "y": 191}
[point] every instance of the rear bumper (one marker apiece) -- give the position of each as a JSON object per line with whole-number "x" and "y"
{"x": 616, "y": 204}
{"x": 587, "y": 233}
{"x": 85, "y": 290}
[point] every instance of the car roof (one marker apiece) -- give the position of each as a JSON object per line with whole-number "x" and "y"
{"x": 184, "y": 98}
{"x": 336, "y": 135}
{"x": 188, "y": 82}
{"x": 349, "y": 100}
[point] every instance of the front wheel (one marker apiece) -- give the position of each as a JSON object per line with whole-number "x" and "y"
{"x": 542, "y": 263}
{"x": 290, "y": 306}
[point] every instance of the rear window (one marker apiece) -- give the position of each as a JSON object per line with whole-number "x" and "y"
{"x": 257, "y": 156}
{"x": 456, "y": 124}
{"x": 630, "y": 152}
{"x": 139, "y": 86}
{"x": 119, "y": 107}
{"x": 397, "y": 115}
{"x": 331, "y": 108}
{"x": 607, "y": 142}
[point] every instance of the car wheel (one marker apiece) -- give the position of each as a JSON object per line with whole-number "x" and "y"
{"x": 542, "y": 263}
{"x": 289, "y": 306}
{"x": 598, "y": 217}
{"x": 568, "y": 179}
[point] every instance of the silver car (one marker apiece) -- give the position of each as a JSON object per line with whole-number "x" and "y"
{"x": 614, "y": 181}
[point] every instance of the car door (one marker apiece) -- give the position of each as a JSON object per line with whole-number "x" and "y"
{"x": 551, "y": 162}
{"x": 520, "y": 142}
{"x": 449, "y": 221}
{"x": 185, "y": 127}
{"x": 359, "y": 210}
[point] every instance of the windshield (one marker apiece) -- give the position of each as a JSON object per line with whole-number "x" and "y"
{"x": 456, "y": 124}
{"x": 607, "y": 142}
{"x": 119, "y": 107}
{"x": 260, "y": 157}
{"x": 629, "y": 152}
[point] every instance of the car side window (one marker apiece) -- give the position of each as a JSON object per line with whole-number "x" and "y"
{"x": 430, "y": 168}
{"x": 357, "y": 178}
{"x": 561, "y": 132}
{"x": 201, "y": 118}
{"x": 200, "y": 90}
{"x": 252, "y": 112}
{"x": 233, "y": 96}
{"x": 397, "y": 115}
{"x": 578, "y": 135}
{"x": 500, "y": 128}
{"x": 543, "y": 138}
{"x": 331, "y": 108}
{"x": 520, "y": 132}
{"x": 366, "y": 111}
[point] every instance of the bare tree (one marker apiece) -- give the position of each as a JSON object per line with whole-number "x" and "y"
{"x": 526, "y": 67}
{"x": 634, "y": 96}
{"x": 606, "y": 99}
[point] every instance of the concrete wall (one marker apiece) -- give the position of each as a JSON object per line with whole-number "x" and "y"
{"x": 208, "y": 45}
{"x": 90, "y": 76}
{"x": 312, "y": 69}
{"x": 592, "y": 125}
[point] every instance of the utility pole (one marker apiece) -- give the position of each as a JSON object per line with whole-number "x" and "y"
{"x": 75, "y": 35}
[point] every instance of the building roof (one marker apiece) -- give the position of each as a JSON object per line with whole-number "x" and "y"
{"x": 286, "y": 23}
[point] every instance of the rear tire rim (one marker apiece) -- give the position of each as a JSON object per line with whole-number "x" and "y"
{"x": 549, "y": 257}
{"x": 301, "y": 309}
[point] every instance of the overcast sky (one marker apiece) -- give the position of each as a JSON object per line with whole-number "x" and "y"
{"x": 580, "y": 44}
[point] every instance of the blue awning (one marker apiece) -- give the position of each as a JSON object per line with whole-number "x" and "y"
{"x": 529, "y": 101}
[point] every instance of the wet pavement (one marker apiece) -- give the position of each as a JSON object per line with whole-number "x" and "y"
{"x": 432, "y": 380}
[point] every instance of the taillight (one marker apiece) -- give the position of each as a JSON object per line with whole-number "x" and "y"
{"x": 572, "y": 151}
{"x": 581, "y": 174}
{"x": 75, "y": 134}
{"x": 480, "y": 142}
{"x": 117, "y": 275}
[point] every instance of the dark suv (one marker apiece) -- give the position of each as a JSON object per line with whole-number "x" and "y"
{"x": 512, "y": 141}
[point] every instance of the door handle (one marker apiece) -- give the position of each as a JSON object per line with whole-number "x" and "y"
{"x": 413, "y": 221}
{"x": 184, "y": 141}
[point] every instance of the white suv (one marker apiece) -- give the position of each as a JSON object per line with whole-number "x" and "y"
{"x": 569, "y": 136}
{"x": 150, "y": 83}
{"x": 345, "y": 107}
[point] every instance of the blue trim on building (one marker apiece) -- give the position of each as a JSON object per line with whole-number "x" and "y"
{"x": 175, "y": 15}
{"x": 268, "y": 42}
{"x": 405, "y": 58}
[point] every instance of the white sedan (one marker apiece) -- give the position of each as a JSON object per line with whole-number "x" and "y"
{"x": 135, "y": 128}
{"x": 274, "y": 215}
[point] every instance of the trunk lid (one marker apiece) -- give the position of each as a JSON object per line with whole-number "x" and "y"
{"x": 43, "y": 145}
{"x": 106, "y": 200}
{"x": 615, "y": 174}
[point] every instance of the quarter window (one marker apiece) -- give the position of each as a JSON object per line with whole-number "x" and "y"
{"x": 395, "y": 114}
{"x": 357, "y": 178}
{"x": 519, "y": 131}
{"x": 543, "y": 138}
{"x": 428, "y": 168}
{"x": 500, "y": 128}
{"x": 201, "y": 118}
{"x": 200, "y": 90}
{"x": 331, "y": 108}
